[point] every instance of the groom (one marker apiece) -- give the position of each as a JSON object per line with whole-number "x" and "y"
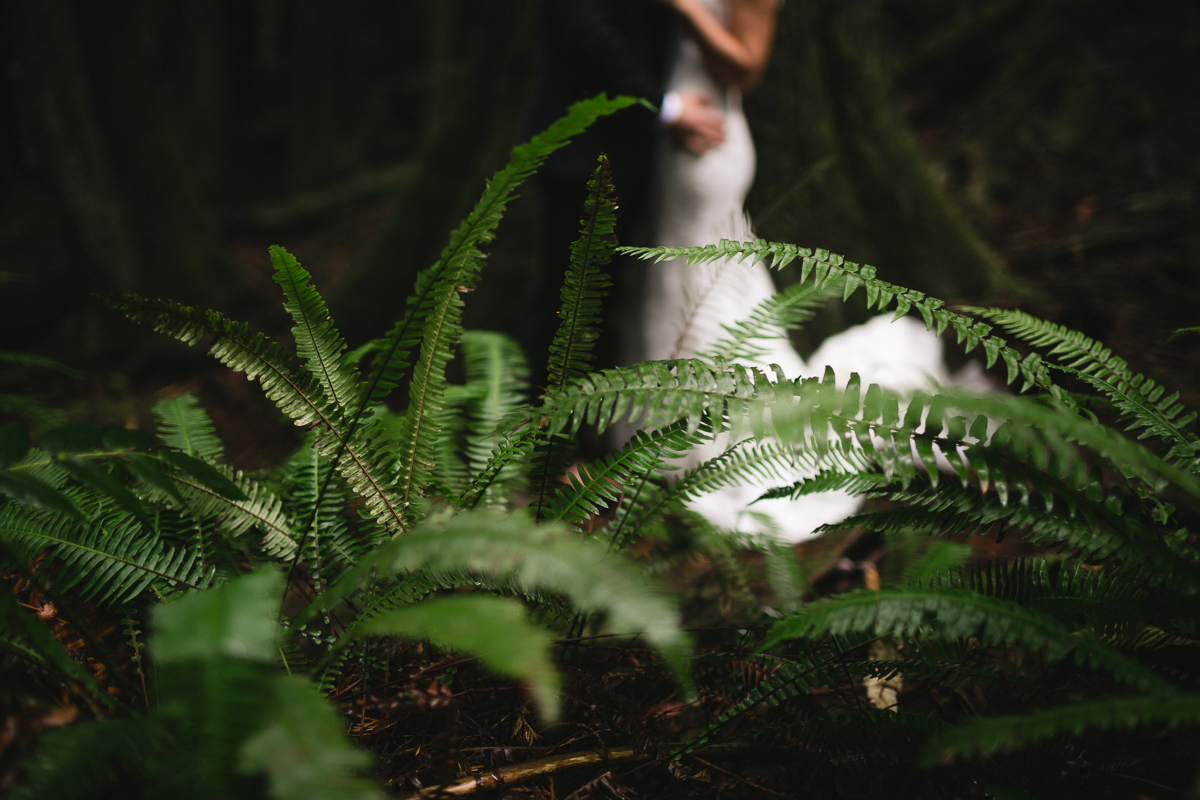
{"x": 618, "y": 47}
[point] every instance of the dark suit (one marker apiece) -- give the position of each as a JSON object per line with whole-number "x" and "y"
{"x": 592, "y": 46}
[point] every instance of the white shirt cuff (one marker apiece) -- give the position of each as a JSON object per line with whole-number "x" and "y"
{"x": 672, "y": 108}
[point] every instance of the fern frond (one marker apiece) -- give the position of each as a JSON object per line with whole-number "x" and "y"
{"x": 655, "y": 394}
{"x": 303, "y": 749}
{"x": 496, "y": 629}
{"x": 262, "y": 509}
{"x": 982, "y": 737}
{"x": 961, "y": 614}
{"x": 317, "y": 340}
{"x": 603, "y": 482}
{"x": 1141, "y": 401}
{"x": 434, "y": 315}
{"x": 546, "y": 557}
{"x": 771, "y": 319}
{"x": 364, "y": 465}
{"x": 317, "y": 499}
{"x": 1060, "y": 515}
{"x": 450, "y": 473}
{"x": 461, "y": 254}
{"x": 827, "y": 268}
{"x": 184, "y": 425}
{"x": 497, "y": 383}
{"x": 111, "y": 560}
{"x": 585, "y": 284}
{"x": 515, "y": 447}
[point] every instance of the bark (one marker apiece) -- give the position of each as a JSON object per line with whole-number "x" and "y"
{"x": 839, "y": 166}
{"x": 481, "y": 56}
{"x": 53, "y": 100}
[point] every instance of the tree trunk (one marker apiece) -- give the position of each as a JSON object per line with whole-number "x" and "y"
{"x": 481, "y": 56}
{"x": 839, "y": 166}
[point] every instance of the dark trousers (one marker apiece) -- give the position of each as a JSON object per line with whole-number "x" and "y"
{"x": 562, "y": 200}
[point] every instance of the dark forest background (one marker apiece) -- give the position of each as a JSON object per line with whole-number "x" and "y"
{"x": 1032, "y": 153}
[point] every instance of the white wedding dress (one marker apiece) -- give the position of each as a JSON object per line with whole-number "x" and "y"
{"x": 700, "y": 201}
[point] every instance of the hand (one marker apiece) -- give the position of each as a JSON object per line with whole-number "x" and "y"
{"x": 700, "y": 126}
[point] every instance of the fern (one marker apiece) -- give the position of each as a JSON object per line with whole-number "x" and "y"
{"x": 497, "y": 383}
{"x": 605, "y": 481}
{"x": 585, "y": 285}
{"x": 960, "y": 614}
{"x": 494, "y": 628}
{"x": 534, "y": 557}
{"x": 395, "y": 352}
{"x": 364, "y": 466}
{"x": 317, "y": 340}
{"x": 827, "y": 269}
{"x": 111, "y": 560}
{"x": 437, "y": 307}
{"x": 184, "y": 425}
{"x": 771, "y": 319}
{"x": 983, "y": 737}
{"x": 1140, "y": 400}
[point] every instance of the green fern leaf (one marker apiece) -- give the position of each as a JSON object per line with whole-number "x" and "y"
{"x": 494, "y": 628}
{"x": 303, "y": 749}
{"x": 1140, "y": 400}
{"x": 185, "y": 426}
{"x": 535, "y": 557}
{"x": 961, "y": 614}
{"x": 983, "y": 737}
{"x": 585, "y": 285}
{"x": 497, "y": 382}
{"x": 439, "y": 301}
{"x": 317, "y": 340}
{"x": 828, "y": 270}
{"x": 460, "y": 259}
{"x": 111, "y": 560}
{"x": 365, "y": 466}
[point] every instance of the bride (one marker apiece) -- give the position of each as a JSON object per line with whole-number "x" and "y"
{"x": 702, "y": 186}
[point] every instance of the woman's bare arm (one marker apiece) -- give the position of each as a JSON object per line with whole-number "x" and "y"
{"x": 737, "y": 55}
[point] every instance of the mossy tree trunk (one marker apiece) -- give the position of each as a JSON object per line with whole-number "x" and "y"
{"x": 99, "y": 122}
{"x": 481, "y": 54}
{"x": 839, "y": 166}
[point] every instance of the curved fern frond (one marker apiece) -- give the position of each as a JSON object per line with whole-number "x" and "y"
{"x": 364, "y": 466}
{"x": 1058, "y": 515}
{"x": 317, "y": 340}
{"x": 771, "y": 319}
{"x": 497, "y": 383}
{"x": 982, "y": 737}
{"x": 496, "y": 629}
{"x": 515, "y": 448}
{"x": 435, "y": 314}
{"x": 184, "y": 425}
{"x": 655, "y": 394}
{"x": 111, "y": 560}
{"x": 461, "y": 255}
{"x": 585, "y": 284}
{"x": 962, "y": 614}
{"x": 1140, "y": 400}
{"x": 603, "y": 482}
{"x": 827, "y": 268}
{"x": 261, "y": 509}
{"x": 534, "y": 557}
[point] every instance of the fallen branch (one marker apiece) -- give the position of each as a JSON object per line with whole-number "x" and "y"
{"x": 517, "y": 773}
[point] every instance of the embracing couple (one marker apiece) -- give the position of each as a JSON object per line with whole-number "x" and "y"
{"x": 682, "y": 175}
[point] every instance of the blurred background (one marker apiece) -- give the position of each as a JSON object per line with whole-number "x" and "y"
{"x": 1035, "y": 153}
